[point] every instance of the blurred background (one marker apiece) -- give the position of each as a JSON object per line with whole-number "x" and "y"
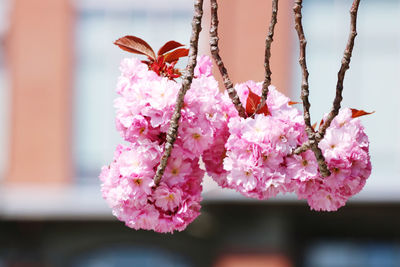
{"x": 58, "y": 70}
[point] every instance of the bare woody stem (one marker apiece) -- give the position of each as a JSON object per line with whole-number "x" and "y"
{"x": 343, "y": 68}
{"x": 323, "y": 169}
{"x": 186, "y": 83}
{"x": 218, "y": 60}
{"x": 339, "y": 85}
{"x": 267, "y": 67}
{"x": 303, "y": 148}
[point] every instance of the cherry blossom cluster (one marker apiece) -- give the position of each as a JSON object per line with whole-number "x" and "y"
{"x": 147, "y": 102}
{"x": 256, "y": 148}
{"x": 258, "y": 159}
{"x": 346, "y": 150}
{"x": 143, "y": 111}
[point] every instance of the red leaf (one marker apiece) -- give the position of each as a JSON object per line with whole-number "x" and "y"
{"x": 291, "y": 103}
{"x": 321, "y": 123}
{"x": 176, "y": 54}
{"x": 264, "y": 110}
{"x": 314, "y": 125}
{"x": 252, "y": 102}
{"x": 358, "y": 113}
{"x": 168, "y": 46}
{"x": 135, "y": 45}
{"x": 147, "y": 62}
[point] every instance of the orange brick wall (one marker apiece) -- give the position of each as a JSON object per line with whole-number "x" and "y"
{"x": 39, "y": 49}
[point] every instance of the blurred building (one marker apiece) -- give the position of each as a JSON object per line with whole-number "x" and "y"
{"x": 58, "y": 70}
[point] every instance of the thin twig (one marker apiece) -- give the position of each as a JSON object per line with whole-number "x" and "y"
{"x": 343, "y": 68}
{"x": 218, "y": 60}
{"x": 268, "y": 42}
{"x": 186, "y": 83}
{"x": 303, "y": 148}
{"x": 323, "y": 169}
{"x": 339, "y": 86}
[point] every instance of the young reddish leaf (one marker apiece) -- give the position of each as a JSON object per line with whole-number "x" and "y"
{"x": 168, "y": 46}
{"x": 358, "y": 113}
{"x": 176, "y": 54}
{"x": 135, "y": 45}
{"x": 314, "y": 125}
{"x": 321, "y": 123}
{"x": 264, "y": 110}
{"x": 252, "y": 102}
{"x": 291, "y": 103}
{"x": 147, "y": 62}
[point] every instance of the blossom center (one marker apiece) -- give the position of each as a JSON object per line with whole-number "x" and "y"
{"x": 138, "y": 181}
{"x": 196, "y": 136}
{"x": 175, "y": 171}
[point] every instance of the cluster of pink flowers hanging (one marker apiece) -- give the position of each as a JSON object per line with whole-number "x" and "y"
{"x": 144, "y": 108}
{"x": 346, "y": 150}
{"x": 253, "y": 155}
{"x": 260, "y": 163}
{"x": 257, "y": 148}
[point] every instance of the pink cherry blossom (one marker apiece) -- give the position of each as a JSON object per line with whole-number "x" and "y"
{"x": 203, "y": 67}
{"x": 167, "y": 198}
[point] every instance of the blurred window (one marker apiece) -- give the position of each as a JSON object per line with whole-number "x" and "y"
{"x": 4, "y": 89}
{"x": 372, "y": 83}
{"x": 129, "y": 256}
{"x": 344, "y": 254}
{"x": 99, "y": 23}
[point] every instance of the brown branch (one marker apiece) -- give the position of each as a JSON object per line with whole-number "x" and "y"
{"x": 323, "y": 169}
{"x": 186, "y": 83}
{"x": 339, "y": 86}
{"x": 303, "y": 148}
{"x": 268, "y": 42}
{"x": 343, "y": 68}
{"x": 218, "y": 60}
